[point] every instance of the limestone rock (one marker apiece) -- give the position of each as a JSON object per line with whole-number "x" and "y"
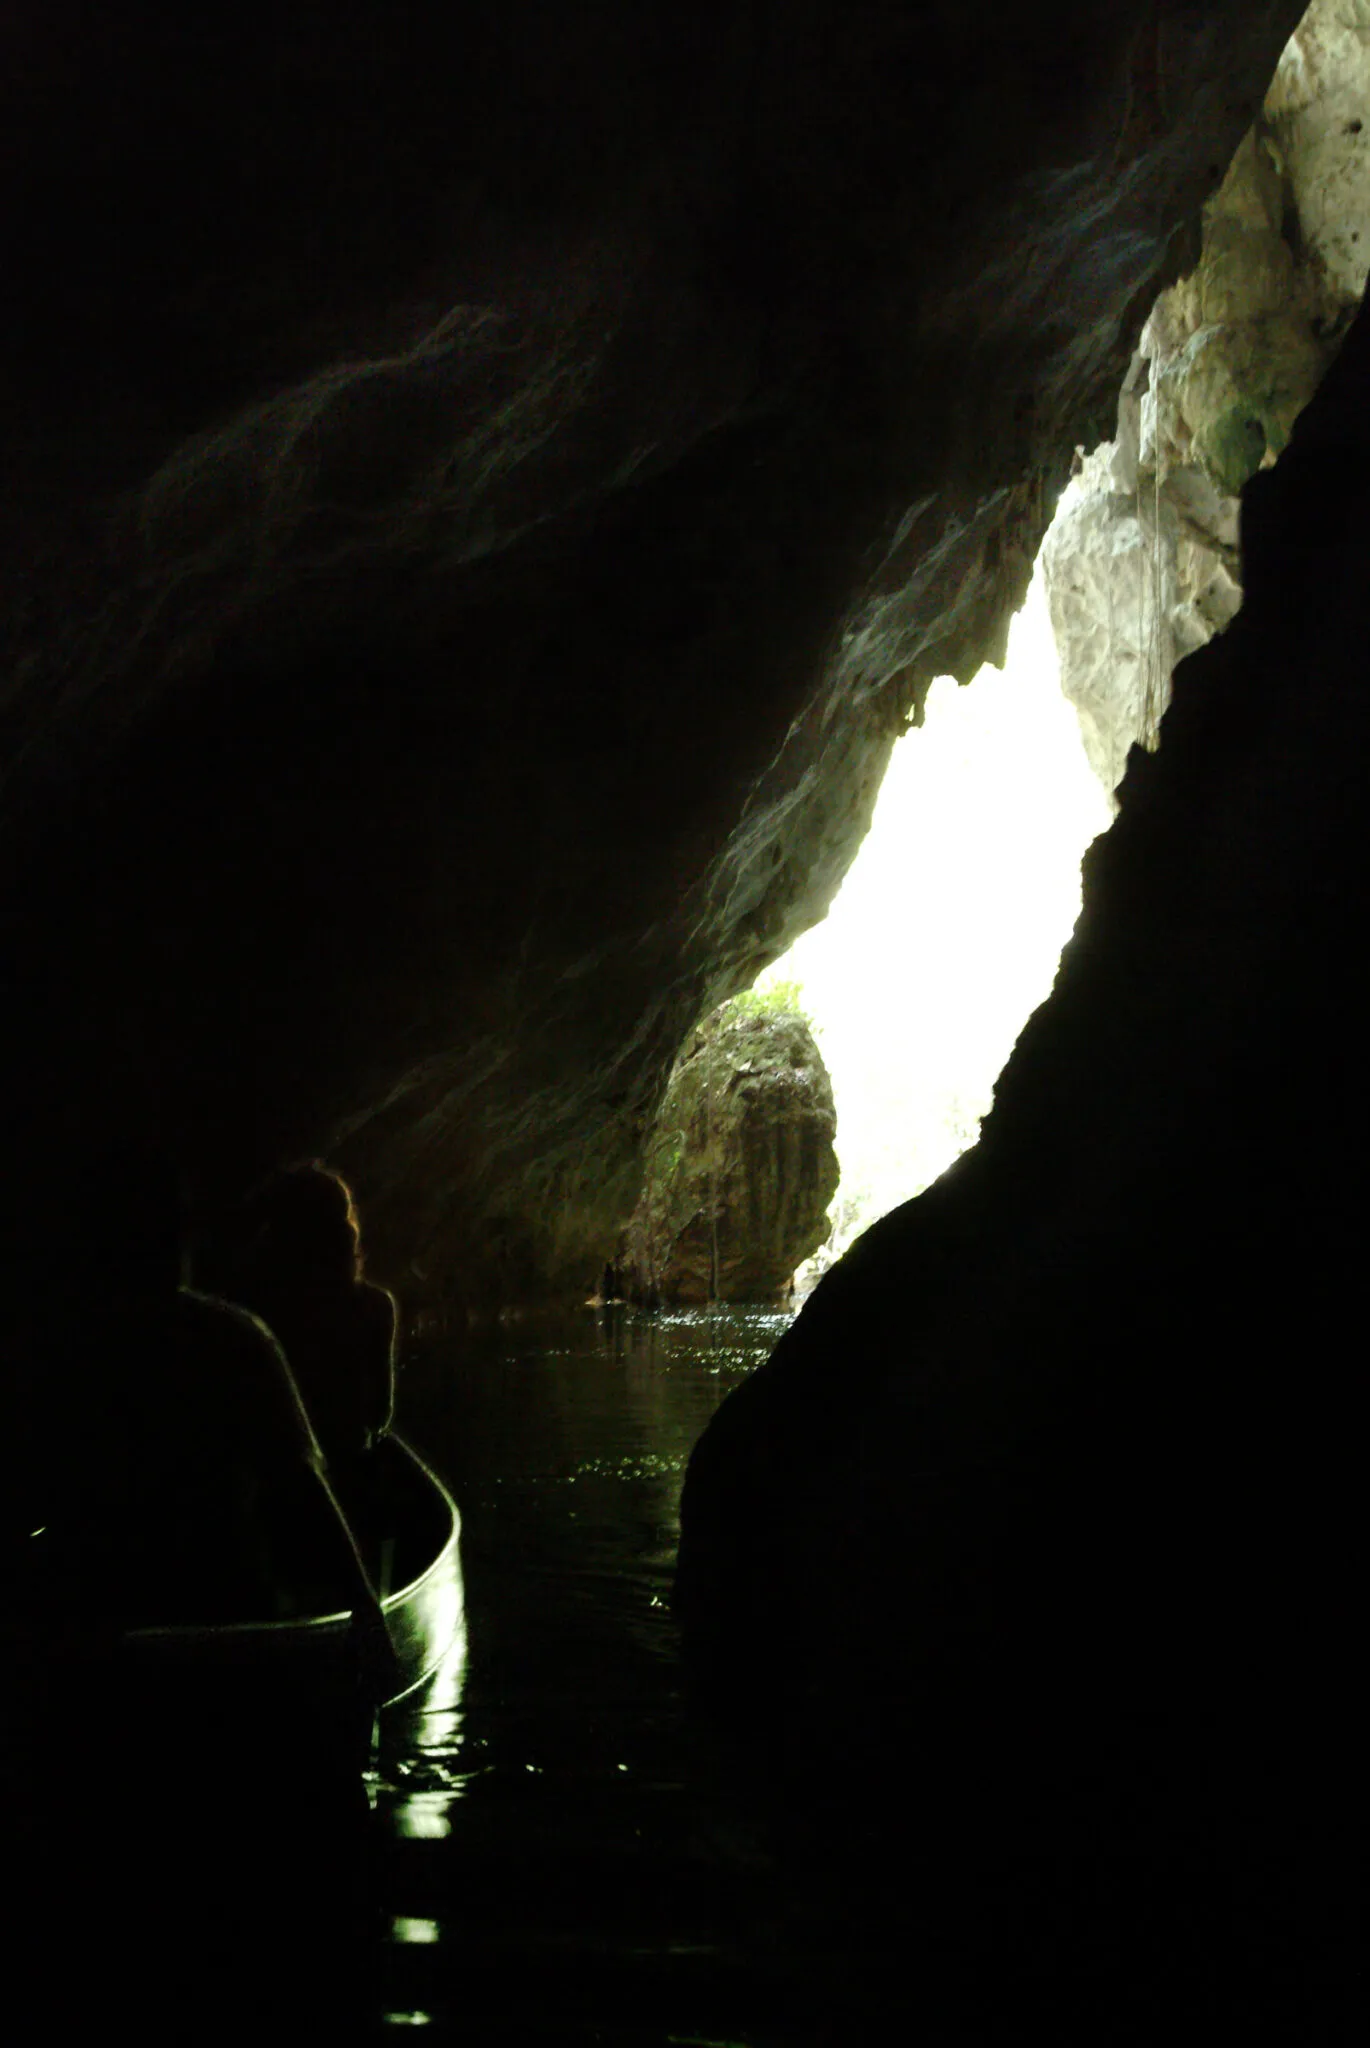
{"x": 741, "y": 1167}
{"x": 1140, "y": 560}
{"x": 1318, "y": 108}
{"x": 1103, "y": 611}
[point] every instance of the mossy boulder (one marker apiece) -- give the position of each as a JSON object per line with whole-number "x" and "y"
{"x": 741, "y": 1166}
{"x": 1233, "y": 446}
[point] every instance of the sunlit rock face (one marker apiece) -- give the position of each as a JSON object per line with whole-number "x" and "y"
{"x": 1041, "y": 1515}
{"x": 480, "y": 500}
{"x": 740, "y": 1169}
{"x": 1316, "y": 109}
{"x": 1141, "y": 558}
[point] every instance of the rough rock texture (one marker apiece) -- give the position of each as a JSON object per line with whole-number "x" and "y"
{"x": 1141, "y": 558}
{"x": 740, "y": 1169}
{"x": 484, "y": 486}
{"x": 1316, "y": 110}
{"x": 1042, "y": 1515}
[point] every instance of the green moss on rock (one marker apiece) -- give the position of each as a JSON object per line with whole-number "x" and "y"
{"x": 1233, "y": 446}
{"x": 740, "y": 1168}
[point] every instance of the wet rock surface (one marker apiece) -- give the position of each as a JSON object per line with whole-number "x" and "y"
{"x": 481, "y": 499}
{"x": 740, "y": 1170}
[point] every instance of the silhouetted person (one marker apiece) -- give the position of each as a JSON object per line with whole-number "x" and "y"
{"x": 185, "y": 1482}
{"x": 301, "y": 1272}
{"x": 182, "y": 1483}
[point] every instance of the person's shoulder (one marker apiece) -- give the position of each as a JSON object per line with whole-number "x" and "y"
{"x": 377, "y": 1304}
{"x": 225, "y": 1326}
{"x": 231, "y": 1343}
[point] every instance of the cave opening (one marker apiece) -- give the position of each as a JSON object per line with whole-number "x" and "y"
{"x": 399, "y": 768}
{"x": 947, "y": 931}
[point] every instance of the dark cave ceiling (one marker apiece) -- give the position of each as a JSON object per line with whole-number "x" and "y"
{"x": 484, "y": 490}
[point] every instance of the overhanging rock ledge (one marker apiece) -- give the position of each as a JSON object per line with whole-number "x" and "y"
{"x": 480, "y": 503}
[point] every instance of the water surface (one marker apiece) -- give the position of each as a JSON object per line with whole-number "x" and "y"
{"x": 551, "y": 1871}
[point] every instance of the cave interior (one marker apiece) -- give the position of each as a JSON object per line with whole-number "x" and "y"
{"x": 485, "y": 490}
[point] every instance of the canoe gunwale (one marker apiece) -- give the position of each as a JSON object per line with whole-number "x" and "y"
{"x": 315, "y": 1628}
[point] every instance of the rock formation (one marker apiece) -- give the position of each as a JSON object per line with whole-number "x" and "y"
{"x": 483, "y": 488}
{"x": 740, "y": 1170}
{"x": 481, "y": 497}
{"x": 1042, "y": 1514}
{"x": 1141, "y": 558}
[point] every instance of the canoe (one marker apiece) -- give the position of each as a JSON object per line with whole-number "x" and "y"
{"x": 424, "y": 1613}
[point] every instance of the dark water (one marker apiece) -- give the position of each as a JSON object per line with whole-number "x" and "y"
{"x": 556, "y": 1851}
{"x": 560, "y": 1853}
{"x": 551, "y": 1867}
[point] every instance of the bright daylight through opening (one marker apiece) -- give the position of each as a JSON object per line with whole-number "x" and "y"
{"x": 947, "y": 932}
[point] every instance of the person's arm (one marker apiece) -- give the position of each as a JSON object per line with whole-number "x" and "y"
{"x": 375, "y": 1651}
{"x": 351, "y": 1563}
{"x": 382, "y": 1321}
{"x": 312, "y": 1522}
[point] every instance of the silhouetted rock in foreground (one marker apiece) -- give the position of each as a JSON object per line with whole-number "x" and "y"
{"x": 741, "y": 1168}
{"x": 1041, "y": 1515}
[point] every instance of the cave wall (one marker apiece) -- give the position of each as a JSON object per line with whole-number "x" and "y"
{"x": 484, "y": 490}
{"x": 1140, "y": 560}
{"x": 1043, "y": 1514}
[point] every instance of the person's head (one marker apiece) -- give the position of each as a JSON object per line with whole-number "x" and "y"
{"x": 303, "y": 1226}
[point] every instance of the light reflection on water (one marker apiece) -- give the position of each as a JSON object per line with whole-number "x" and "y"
{"x": 421, "y": 1932}
{"x": 542, "y": 1774}
{"x": 416, "y": 1781}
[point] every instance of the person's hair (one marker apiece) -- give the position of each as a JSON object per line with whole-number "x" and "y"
{"x": 304, "y": 1226}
